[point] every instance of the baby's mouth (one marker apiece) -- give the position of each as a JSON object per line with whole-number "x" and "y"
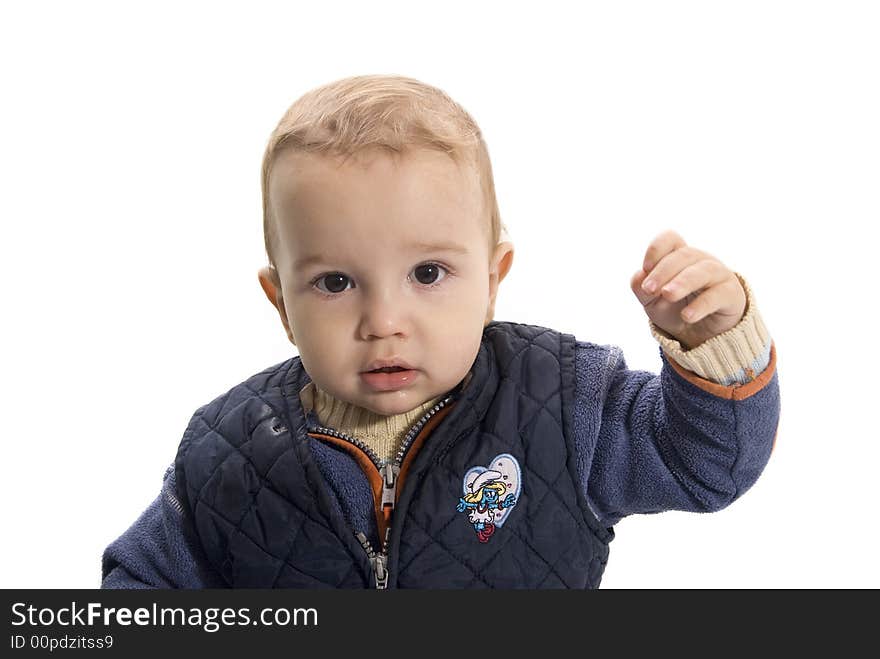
{"x": 389, "y": 378}
{"x": 388, "y": 365}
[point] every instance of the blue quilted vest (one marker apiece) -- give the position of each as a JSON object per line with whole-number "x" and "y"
{"x": 492, "y": 499}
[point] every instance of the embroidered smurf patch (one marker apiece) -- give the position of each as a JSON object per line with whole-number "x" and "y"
{"x": 490, "y": 494}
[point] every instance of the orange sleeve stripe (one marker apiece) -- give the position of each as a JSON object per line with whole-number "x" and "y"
{"x": 734, "y": 391}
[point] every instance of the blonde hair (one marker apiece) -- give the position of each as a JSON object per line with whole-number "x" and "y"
{"x": 476, "y": 497}
{"x": 394, "y": 113}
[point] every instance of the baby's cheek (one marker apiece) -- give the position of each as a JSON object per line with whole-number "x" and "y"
{"x": 460, "y": 346}
{"x": 319, "y": 346}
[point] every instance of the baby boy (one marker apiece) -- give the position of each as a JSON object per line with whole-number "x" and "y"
{"x": 416, "y": 442}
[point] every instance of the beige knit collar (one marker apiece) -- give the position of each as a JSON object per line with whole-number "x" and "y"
{"x": 383, "y": 434}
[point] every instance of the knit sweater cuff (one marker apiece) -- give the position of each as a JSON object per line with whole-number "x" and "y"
{"x": 738, "y": 355}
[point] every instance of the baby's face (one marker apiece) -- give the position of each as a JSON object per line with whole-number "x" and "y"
{"x": 383, "y": 259}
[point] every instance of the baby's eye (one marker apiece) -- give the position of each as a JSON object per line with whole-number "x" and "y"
{"x": 427, "y": 274}
{"x": 430, "y": 273}
{"x": 335, "y": 282}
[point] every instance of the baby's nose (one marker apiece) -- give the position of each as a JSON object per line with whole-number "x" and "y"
{"x": 383, "y": 316}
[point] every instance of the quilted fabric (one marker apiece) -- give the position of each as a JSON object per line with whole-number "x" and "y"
{"x": 258, "y": 503}
{"x": 255, "y": 495}
{"x": 518, "y": 403}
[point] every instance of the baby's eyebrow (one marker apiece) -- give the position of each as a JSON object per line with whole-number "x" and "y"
{"x": 313, "y": 259}
{"x": 306, "y": 261}
{"x": 438, "y": 247}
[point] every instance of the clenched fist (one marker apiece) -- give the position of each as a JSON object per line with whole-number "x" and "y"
{"x": 686, "y": 292}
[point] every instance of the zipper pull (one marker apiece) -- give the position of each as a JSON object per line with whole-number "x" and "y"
{"x": 389, "y": 484}
{"x": 365, "y": 544}
{"x": 378, "y": 561}
{"x": 380, "y": 567}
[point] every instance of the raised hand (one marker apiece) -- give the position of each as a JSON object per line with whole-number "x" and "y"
{"x": 686, "y": 292}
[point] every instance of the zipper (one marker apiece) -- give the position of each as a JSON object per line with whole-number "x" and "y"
{"x": 170, "y": 496}
{"x": 389, "y": 471}
{"x": 174, "y": 502}
{"x": 378, "y": 559}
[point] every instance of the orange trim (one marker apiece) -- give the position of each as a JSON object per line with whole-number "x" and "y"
{"x": 734, "y": 391}
{"x": 417, "y": 444}
{"x": 373, "y": 475}
{"x": 383, "y": 516}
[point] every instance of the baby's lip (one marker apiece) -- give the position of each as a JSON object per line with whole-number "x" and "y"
{"x": 387, "y": 363}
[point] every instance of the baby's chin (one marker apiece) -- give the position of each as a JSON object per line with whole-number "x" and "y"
{"x": 392, "y": 403}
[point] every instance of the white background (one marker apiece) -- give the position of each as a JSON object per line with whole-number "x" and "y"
{"x": 130, "y": 148}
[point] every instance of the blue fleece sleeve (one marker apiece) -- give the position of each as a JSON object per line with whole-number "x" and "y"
{"x": 156, "y": 551}
{"x": 648, "y": 443}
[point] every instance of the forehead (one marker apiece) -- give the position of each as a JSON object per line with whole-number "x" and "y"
{"x": 420, "y": 195}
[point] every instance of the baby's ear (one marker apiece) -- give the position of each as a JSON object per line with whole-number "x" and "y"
{"x": 502, "y": 259}
{"x": 499, "y": 266}
{"x": 271, "y": 285}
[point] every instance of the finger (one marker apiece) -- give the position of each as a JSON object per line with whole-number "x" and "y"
{"x": 669, "y": 267}
{"x": 708, "y": 302}
{"x": 662, "y": 245}
{"x": 635, "y": 283}
{"x": 705, "y": 273}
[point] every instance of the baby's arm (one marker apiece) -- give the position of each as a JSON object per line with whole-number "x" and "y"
{"x": 155, "y": 552}
{"x": 674, "y": 441}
